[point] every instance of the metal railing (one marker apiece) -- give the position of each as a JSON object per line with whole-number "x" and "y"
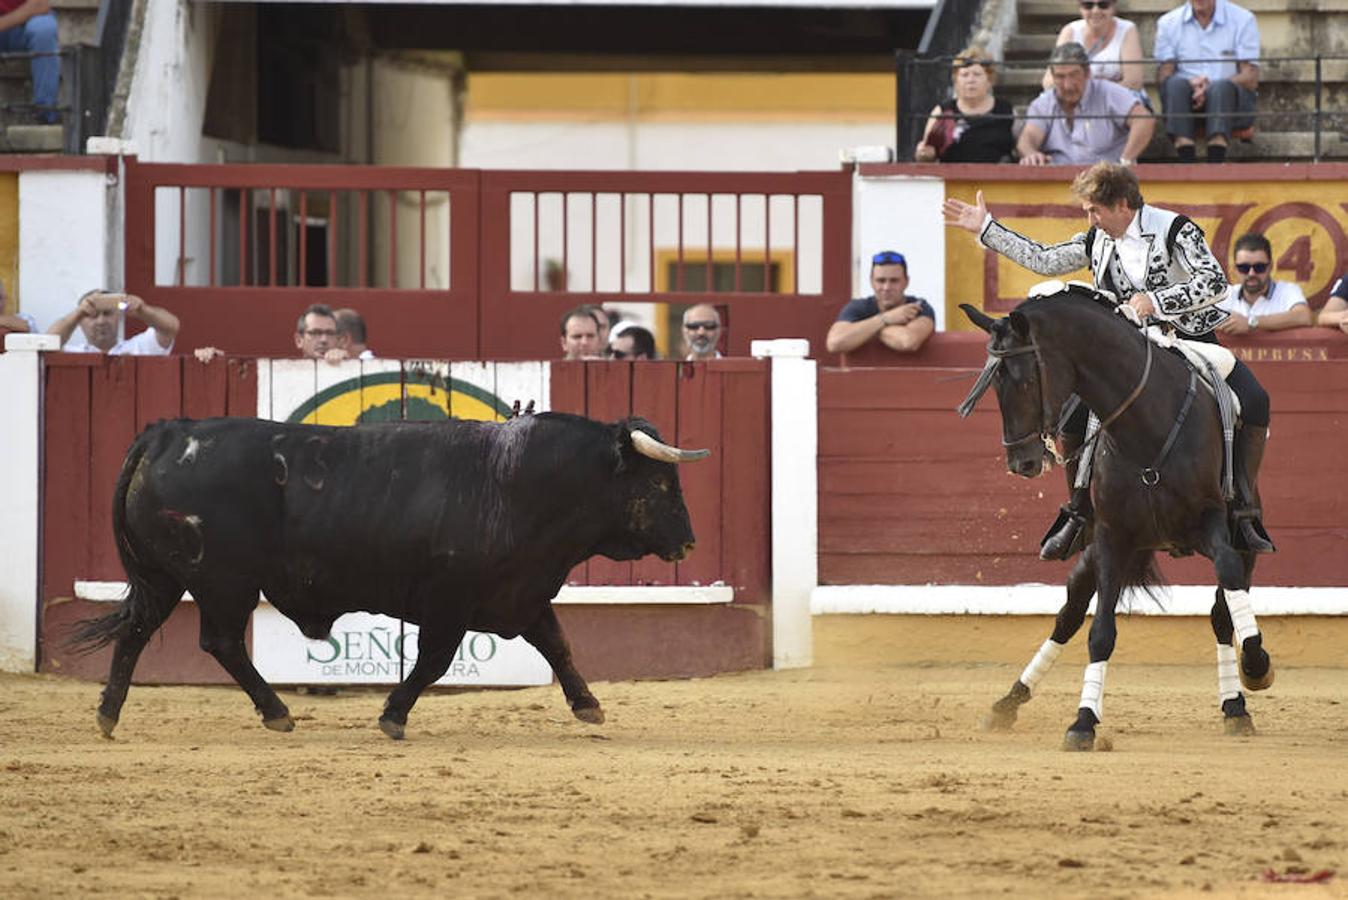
{"x": 928, "y": 80}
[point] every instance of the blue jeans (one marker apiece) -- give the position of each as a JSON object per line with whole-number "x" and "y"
{"x": 38, "y": 35}
{"x": 1228, "y": 106}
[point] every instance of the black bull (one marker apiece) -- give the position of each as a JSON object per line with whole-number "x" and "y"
{"x": 451, "y": 526}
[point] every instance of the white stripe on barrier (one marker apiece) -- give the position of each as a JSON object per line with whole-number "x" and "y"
{"x": 701, "y": 595}
{"x": 1047, "y": 599}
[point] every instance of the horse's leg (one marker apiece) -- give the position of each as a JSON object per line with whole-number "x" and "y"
{"x": 1080, "y": 589}
{"x": 1234, "y": 570}
{"x": 1235, "y": 718}
{"x": 1104, "y": 631}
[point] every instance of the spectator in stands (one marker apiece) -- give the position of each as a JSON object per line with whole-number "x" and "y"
{"x": 632, "y": 342}
{"x": 350, "y": 336}
{"x": 99, "y": 315}
{"x": 900, "y": 322}
{"x": 604, "y": 319}
{"x": 316, "y": 331}
{"x": 16, "y": 323}
{"x": 701, "y": 331}
{"x": 1082, "y": 120}
{"x": 1257, "y": 302}
{"x": 580, "y": 334}
{"x": 1334, "y": 314}
{"x": 1112, "y": 44}
{"x": 29, "y": 26}
{"x": 972, "y": 126}
{"x": 1209, "y": 65}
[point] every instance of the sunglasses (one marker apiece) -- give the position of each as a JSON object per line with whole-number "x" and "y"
{"x": 617, "y": 354}
{"x": 1096, "y": 4}
{"x": 889, "y": 258}
{"x": 1247, "y": 268}
{"x": 701, "y": 326}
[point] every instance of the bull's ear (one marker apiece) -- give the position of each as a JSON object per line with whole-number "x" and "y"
{"x": 978, "y": 317}
{"x": 1020, "y": 325}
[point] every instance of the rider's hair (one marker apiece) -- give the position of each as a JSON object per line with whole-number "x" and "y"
{"x": 1108, "y": 183}
{"x": 1255, "y": 242}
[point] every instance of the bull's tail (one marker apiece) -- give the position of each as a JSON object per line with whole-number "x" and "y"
{"x": 143, "y": 608}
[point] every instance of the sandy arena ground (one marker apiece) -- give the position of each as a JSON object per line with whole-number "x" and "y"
{"x": 857, "y": 778}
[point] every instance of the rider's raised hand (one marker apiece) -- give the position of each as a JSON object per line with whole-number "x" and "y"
{"x": 959, "y": 214}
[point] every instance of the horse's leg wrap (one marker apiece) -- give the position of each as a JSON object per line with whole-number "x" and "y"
{"x": 1253, "y": 664}
{"x": 1246, "y": 516}
{"x": 1093, "y": 688}
{"x": 1228, "y": 679}
{"x": 1041, "y": 664}
{"x": 1242, "y": 615}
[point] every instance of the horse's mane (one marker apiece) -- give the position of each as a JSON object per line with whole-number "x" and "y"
{"x": 1077, "y": 295}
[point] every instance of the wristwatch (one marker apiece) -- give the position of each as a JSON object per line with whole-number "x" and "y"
{"x": 1254, "y": 322}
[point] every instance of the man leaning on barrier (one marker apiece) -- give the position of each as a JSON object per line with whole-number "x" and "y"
{"x": 1208, "y": 74}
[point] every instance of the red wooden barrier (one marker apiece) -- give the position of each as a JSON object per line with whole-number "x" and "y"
{"x": 96, "y": 405}
{"x": 909, "y": 493}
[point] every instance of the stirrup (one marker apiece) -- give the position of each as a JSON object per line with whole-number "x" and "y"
{"x": 1247, "y": 532}
{"x": 1065, "y": 536}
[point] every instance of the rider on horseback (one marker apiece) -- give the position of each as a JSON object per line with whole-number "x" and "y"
{"x": 1159, "y": 261}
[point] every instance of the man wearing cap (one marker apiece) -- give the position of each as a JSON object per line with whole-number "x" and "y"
{"x": 900, "y": 322}
{"x": 1082, "y": 120}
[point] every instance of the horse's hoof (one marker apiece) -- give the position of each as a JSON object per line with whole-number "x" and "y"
{"x": 594, "y": 715}
{"x": 1239, "y": 726}
{"x": 106, "y": 724}
{"x": 1252, "y": 682}
{"x": 392, "y": 729}
{"x": 999, "y": 720}
{"x": 1078, "y": 740}
{"x": 280, "y": 723}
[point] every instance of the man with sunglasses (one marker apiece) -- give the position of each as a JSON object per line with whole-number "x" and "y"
{"x": 1257, "y": 302}
{"x": 900, "y": 322}
{"x": 632, "y": 342}
{"x": 701, "y": 330}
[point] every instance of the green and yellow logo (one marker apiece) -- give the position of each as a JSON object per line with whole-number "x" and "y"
{"x": 411, "y": 396}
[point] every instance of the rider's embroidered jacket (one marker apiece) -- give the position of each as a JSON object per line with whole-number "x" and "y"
{"x": 1184, "y": 279}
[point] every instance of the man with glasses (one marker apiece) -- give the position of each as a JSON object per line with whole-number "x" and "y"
{"x": 701, "y": 331}
{"x": 316, "y": 331}
{"x": 1208, "y": 73}
{"x": 1257, "y": 302}
{"x": 900, "y": 322}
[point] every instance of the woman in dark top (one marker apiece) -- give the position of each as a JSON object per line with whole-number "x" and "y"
{"x": 973, "y": 126}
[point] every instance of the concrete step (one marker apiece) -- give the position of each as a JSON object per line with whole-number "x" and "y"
{"x": 34, "y": 138}
{"x": 1030, "y": 46}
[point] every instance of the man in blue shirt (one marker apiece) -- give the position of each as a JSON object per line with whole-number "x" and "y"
{"x": 1208, "y": 73}
{"x": 900, "y": 322}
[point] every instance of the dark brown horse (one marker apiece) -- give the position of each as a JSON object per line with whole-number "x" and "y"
{"x": 1157, "y": 483}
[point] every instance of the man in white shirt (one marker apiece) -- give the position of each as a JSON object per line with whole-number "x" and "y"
{"x": 1257, "y": 302}
{"x": 701, "y": 332}
{"x": 99, "y": 315}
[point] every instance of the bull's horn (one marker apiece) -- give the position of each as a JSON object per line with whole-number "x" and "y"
{"x": 649, "y": 446}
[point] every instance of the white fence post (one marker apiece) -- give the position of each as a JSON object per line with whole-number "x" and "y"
{"x": 795, "y": 498}
{"x": 20, "y": 460}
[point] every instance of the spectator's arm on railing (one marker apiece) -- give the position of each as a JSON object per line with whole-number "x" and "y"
{"x": 1028, "y": 144}
{"x": 23, "y": 13}
{"x": 1141, "y": 125}
{"x": 1334, "y": 314}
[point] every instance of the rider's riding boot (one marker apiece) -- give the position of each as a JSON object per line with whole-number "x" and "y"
{"x": 1247, "y": 526}
{"x": 1067, "y": 533}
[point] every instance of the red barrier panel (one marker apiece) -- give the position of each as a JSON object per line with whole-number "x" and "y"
{"x": 909, "y": 493}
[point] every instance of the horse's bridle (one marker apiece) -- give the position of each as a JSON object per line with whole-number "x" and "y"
{"x": 995, "y": 357}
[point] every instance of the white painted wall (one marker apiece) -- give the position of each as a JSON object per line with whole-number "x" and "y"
{"x": 902, "y": 214}
{"x": 167, "y": 102}
{"x": 65, "y": 235}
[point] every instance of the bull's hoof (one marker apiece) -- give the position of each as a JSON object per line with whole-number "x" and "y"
{"x": 1078, "y": 740}
{"x": 106, "y": 724}
{"x": 999, "y": 719}
{"x": 393, "y": 729}
{"x": 280, "y": 723}
{"x": 593, "y": 715}
{"x": 1239, "y": 726}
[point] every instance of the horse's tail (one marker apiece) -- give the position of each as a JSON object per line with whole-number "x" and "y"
{"x": 137, "y": 610}
{"x": 1141, "y": 573}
